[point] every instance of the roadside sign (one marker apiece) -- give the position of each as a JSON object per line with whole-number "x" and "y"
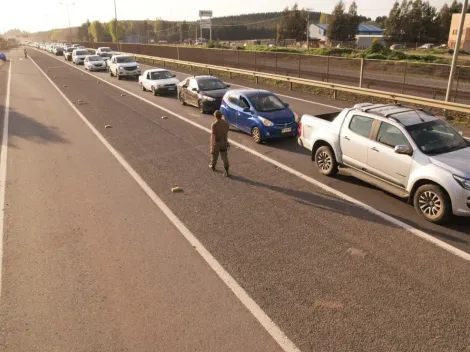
{"x": 205, "y": 13}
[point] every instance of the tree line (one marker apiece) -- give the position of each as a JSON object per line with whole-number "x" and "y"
{"x": 419, "y": 21}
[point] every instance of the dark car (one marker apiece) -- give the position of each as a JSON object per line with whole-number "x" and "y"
{"x": 204, "y": 92}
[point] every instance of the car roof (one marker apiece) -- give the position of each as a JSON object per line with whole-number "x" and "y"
{"x": 122, "y": 55}
{"x": 250, "y": 92}
{"x": 405, "y": 115}
{"x": 157, "y": 70}
{"x": 202, "y": 77}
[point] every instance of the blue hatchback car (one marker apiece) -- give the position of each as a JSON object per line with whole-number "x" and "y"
{"x": 260, "y": 113}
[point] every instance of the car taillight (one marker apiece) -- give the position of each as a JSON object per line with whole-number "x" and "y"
{"x": 300, "y": 128}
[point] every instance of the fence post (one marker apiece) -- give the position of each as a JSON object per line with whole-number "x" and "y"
{"x": 404, "y": 78}
{"x": 300, "y": 61}
{"x": 238, "y": 58}
{"x": 178, "y": 52}
{"x": 361, "y": 77}
{"x": 457, "y": 86}
{"x": 275, "y": 61}
{"x": 255, "y": 63}
{"x": 327, "y": 68}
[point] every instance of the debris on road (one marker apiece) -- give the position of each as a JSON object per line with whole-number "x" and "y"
{"x": 108, "y": 126}
{"x": 64, "y": 86}
{"x": 123, "y": 95}
{"x": 356, "y": 252}
{"x": 176, "y": 189}
{"x": 164, "y": 117}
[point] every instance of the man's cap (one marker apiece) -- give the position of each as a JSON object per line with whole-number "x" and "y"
{"x": 217, "y": 114}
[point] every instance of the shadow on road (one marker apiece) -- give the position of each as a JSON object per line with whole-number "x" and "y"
{"x": 315, "y": 200}
{"x": 26, "y": 127}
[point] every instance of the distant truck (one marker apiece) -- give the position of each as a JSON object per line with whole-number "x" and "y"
{"x": 404, "y": 151}
{"x": 123, "y": 66}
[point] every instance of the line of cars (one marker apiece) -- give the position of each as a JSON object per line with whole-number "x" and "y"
{"x": 405, "y": 151}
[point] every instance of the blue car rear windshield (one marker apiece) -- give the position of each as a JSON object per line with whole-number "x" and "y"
{"x": 265, "y": 102}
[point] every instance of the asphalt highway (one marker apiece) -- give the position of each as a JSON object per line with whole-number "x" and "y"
{"x": 90, "y": 263}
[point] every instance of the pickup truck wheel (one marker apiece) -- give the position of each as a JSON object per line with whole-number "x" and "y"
{"x": 118, "y": 76}
{"x": 256, "y": 134}
{"x": 110, "y": 73}
{"x": 181, "y": 96}
{"x": 433, "y": 203}
{"x": 143, "y": 88}
{"x": 326, "y": 161}
{"x": 154, "y": 91}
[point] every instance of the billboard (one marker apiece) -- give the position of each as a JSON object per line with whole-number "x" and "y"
{"x": 205, "y": 13}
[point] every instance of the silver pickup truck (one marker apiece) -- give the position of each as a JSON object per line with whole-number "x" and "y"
{"x": 405, "y": 151}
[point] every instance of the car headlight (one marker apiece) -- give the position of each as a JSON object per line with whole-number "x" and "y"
{"x": 138, "y": 66}
{"x": 208, "y": 98}
{"x": 121, "y": 68}
{"x": 464, "y": 182}
{"x": 160, "y": 86}
{"x": 266, "y": 122}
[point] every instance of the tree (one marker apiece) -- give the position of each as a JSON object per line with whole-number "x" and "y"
{"x": 456, "y": 7}
{"x": 393, "y": 23}
{"x": 324, "y": 18}
{"x": 353, "y": 21}
{"x": 120, "y": 30}
{"x": 338, "y": 28}
{"x": 82, "y": 31}
{"x": 380, "y": 21}
{"x": 293, "y": 24}
{"x": 96, "y": 31}
{"x": 445, "y": 17}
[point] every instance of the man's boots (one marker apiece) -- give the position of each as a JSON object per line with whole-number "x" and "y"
{"x": 226, "y": 173}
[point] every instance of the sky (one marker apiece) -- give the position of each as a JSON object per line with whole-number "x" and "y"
{"x": 35, "y": 15}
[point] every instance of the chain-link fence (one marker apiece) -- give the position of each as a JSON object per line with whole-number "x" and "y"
{"x": 413, "y": 78}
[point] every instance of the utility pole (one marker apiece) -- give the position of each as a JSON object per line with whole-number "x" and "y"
{"x": 456, "y": 50}
{"x": 68, "y": 15}
{"x": 308, "y": 25}
{"x": 116, "y": 25}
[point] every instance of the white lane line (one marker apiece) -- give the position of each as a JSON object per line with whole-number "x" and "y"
{"x": 421, "y": 234}
{"x": 3, "y": 169}
{"x": 271, "y": 327}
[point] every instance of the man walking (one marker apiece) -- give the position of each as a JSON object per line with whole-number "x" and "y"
{"x": 219, "y": 142}
{"x": 25, "y": 53}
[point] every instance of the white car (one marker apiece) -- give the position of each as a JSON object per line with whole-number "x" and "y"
{"x": 79, "y": 55}
{"x": 159, "y": 81}
{"x": 105, "y": 52}
{"x": 123, "y": 66}
{"x": 94, "y": 63}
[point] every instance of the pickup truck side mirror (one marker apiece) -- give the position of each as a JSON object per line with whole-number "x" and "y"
{"x": 173, "y": 76}
{"x": 227, "y": 85}
{"x": 461, "y": 133}
{"x": 194, "y": 89}
{"x": 286, "y": 105}
{"x": 246, "y": 110}
{"x": 403, "y": 149}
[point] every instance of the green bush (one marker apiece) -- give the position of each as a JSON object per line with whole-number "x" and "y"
{"x": 397, "y": 55}
{"x": 376, "y": 57}
{"x": 331, "y": 51}
{"x": 211, "y": 44}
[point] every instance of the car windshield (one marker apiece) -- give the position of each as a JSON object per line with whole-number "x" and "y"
{"x": 436, "y": 137}
{"x": 105, "y": 50}
{"x": 94, "y": 58}
{"x": 81, "y": 52}
{"x": 160, "y": 75}
{"x": 265, "y": 102}
{"x": 124, "y": 59}
{"x": 211, "y": 84}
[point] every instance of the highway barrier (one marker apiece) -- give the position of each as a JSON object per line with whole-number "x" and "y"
{"x": 412, "y": 78}
{"x": 335, "y": 88}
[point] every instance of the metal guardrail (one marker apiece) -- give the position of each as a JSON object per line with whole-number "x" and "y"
{"x": 396, "y": 97}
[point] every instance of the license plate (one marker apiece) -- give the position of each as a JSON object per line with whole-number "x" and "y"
{"x": 287, "y": 130}
{"x": 171, "y": 88}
